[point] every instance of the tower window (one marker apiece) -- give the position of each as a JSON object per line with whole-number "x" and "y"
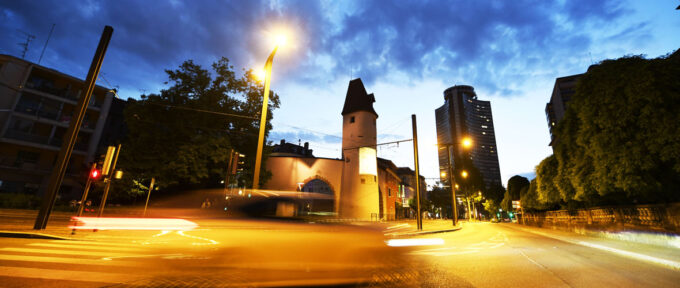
{"x": 351, "y": 119}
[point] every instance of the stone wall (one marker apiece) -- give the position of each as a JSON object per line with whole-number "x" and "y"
{"x": 653, "y": 218}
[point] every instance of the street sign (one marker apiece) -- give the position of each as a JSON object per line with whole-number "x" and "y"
{"x": 516, "y": 204}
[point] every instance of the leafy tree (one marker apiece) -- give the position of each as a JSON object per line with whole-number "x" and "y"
{"x": 491, "y": 206}
{"x": 530, "y": 198}
{"x": 182, "y": 136}
{"x": 441, "y": 197}
{"x": 515, "y": 185}
{"x": 619, "y": 141}
{"x": 546, "y": 173}
{"x": 506, "y": 203}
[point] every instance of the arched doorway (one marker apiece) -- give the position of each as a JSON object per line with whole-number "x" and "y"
{"x": 318, "y": 206}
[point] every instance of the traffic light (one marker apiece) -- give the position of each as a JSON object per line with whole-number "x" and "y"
{"x": 95, "y": 174}
{"x": 237, "y": 163}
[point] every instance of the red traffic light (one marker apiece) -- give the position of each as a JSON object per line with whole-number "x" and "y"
{"x": 95, "y": 174}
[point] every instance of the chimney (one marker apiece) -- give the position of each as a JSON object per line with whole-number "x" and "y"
{"x": 283, "y": 141}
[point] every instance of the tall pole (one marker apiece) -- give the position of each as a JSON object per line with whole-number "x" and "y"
{"x": 108, "y": 182}
{"x": 229, "y": 168}
{"x": 148, "y": 195}
{"x": 64, "y": 155}
{"x": 452, "y": 182}
{"x": 419, "y": 217}
{"x": 263, "y": 118}
{"x": 87, "y": 189}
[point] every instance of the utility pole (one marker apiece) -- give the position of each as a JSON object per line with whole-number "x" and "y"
{"x": 108, "y": 180}
{"x": 70, "y": 137}
{"x": 419, "y": 217}
{"x": 229, "y": 168}
{"x": 454, "y": 205}
{"x": 153, "y": 180}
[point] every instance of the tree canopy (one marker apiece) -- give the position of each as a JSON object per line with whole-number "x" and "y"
{"x": 182, "y": 136}
{"x": 619, "y": 140}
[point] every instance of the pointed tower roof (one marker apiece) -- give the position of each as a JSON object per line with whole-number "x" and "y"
{"x": 357, "y": 99}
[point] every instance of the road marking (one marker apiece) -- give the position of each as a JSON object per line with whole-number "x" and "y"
{"x": 87, "y": 247}
{"x": 669, "y": 263}
{"x": 94, "y": 243}
{"x": 71, "y": 275}
{"x": 63, "y": 252}
{"x": 81, "y": 261}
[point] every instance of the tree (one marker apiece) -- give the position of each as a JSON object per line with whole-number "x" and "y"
{"x": 183, "y": 135}
{"x": 530, "y": 199}
{"x": 441, "y": 197}
{"x": 515, "y": 185}
{"x": 619, "y": 141}
{"x": 546, "y": 173}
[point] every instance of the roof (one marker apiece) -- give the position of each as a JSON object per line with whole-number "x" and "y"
{"x": 358, "y": 99}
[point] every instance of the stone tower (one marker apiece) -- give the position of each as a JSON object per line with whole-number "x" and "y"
{"x": 359, "y": 196}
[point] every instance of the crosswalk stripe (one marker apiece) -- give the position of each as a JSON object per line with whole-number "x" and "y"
{"x": 71, "y": 275}
{"x": 27, "y": 258}
{"x": 64, "y": 252}
{"x": 87, "y": 247}
{"x": 94, "y": 243}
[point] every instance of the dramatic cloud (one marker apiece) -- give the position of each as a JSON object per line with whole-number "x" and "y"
{"x": 454, "y": 40}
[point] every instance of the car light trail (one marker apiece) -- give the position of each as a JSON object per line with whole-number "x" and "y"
{"x": 414, "y": 242}
{"x": 164, "y": 224}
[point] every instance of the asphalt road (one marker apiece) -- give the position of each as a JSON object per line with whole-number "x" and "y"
{"x": 224, "y": 253}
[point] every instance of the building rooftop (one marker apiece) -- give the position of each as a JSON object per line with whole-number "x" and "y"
{"x": 358, "y": 99}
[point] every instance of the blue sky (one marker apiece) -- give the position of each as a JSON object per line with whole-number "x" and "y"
{"x": 406, "y": 52}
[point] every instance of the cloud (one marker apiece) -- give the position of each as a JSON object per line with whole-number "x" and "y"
{"x": 475, "y": 42}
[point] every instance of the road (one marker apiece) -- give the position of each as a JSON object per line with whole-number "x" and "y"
{"x": 237, "y": 253}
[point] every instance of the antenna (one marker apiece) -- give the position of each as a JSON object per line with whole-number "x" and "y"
{"x": 29, "y": 38}
{"x": 46, "y": 41}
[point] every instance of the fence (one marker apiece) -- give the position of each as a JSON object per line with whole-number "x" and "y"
{"x": 661, "y": 218}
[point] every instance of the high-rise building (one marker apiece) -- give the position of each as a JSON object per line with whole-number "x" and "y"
{"x": 36, "y": 107}
{"x": 463, "y": 115}
{"x": 564, "y": 88}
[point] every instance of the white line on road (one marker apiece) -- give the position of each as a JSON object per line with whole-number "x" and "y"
{"x": 63, "y": 252}
{"x": 87, "y": 247}
{"x": 671, "y": 264}
{"x": 44, "y": 259}
{"x": 70, "y": 275}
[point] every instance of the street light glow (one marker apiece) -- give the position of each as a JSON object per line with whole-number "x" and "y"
{"x": 467, "y": 142}
{"x": 281, "y": 40}
{"x": 464, "y": 174}
{"x": 260, "y": 74}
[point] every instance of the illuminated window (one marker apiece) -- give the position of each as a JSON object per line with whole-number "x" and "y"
{"x": 368, "y": 164}
{"x": 484, "y": 126}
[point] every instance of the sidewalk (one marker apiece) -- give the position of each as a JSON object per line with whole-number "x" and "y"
{"x": 406, "y": 228}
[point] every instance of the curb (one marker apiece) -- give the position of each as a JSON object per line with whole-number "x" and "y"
{"x": 30, "y": 235}
{"x": 425, "y": 232}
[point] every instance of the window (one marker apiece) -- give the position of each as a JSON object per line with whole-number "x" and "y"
{"x": 389, "y": 192}
{"x": 27, "y": 157}
{"x": 351, "y": 119}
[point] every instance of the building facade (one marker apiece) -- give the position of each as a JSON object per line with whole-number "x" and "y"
{"x": 564, "y": 88}
{"x": 36, "y": 107}
{"x": 463, "y": 115}
{"x": 363, "y": 186}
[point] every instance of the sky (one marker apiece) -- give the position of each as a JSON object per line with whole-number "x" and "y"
{"x": 406, "y": 52}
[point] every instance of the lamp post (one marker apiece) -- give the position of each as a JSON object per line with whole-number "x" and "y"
{"x": 263, "y": 118}
{"x": 466, "y": 143}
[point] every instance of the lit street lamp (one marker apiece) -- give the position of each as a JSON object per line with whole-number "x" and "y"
{"x": 467, "y": 144}
{"x": 280, "y": 41}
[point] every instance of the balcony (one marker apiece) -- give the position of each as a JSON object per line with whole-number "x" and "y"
{"x": 33, "y": 110}
{"x": 39, "y": 139}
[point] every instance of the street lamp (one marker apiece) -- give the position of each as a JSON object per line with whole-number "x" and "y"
{"x": 466, "y": 143}
{"x": 464, "y": 174}
{"x": 280, "y": 41}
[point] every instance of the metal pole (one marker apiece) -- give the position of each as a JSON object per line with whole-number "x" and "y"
{"x": 229, "y": 168}
{"x": 419, "y": 217}
{"x": 454, "y": 205}
{"x": 153, "y": 180}
{"x": 87, "y": 189}
{"x": 108, "y": 183}
{"x": 59, "y": 169}
{"x": 263, "y": 118}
